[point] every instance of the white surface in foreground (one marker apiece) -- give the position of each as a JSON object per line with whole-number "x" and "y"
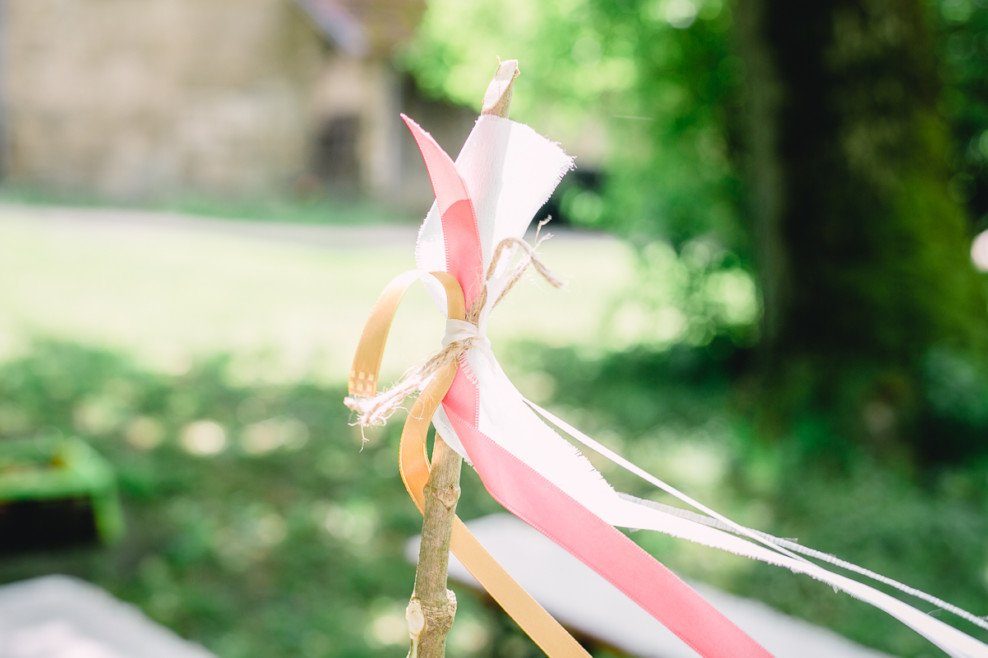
{"x": 586, "y": 603}
{"x": 63, "y": 617}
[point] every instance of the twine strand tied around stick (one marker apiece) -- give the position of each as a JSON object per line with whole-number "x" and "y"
{"x": 377, "y": 409}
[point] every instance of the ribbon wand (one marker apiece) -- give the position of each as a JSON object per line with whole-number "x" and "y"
{"x": 448, "y": 255}
{"x": 484, "y": 202}
{"x": 432, "y": 607}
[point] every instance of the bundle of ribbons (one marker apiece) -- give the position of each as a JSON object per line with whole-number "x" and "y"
{"x": 470, "y": 252}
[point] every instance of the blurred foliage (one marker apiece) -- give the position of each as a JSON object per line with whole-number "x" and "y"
{"x": 695, "y": 297}
{"x": 964, "y": 36}
{"x": 864, "y": 251}
{"x": 257, "y": 502}
{"x": 898, "y": 369}
{"x": 656, "y": 77}
{"x": 661, "y": 80}
{"x": 954, "y": 409}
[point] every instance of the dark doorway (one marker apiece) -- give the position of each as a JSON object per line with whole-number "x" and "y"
{"x": 335, "y": 161}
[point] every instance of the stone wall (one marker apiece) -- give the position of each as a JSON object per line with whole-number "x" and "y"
{"x": 127, "y": 98}
{"x": 146, "y": 99}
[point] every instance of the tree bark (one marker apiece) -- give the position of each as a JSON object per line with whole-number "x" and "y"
{"x": 431, "y": 610}
{"x": 862, "y": 251}
{"x": 432, "y": 607}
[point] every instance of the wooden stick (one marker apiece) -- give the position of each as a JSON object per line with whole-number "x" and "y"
{"x": 432, "y": 607}
{"x": 498, "y": 95}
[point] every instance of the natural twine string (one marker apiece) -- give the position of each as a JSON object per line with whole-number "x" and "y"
{"x": 377, "y": 409}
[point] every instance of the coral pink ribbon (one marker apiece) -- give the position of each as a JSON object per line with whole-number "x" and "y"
{"x": 535, "y": 500}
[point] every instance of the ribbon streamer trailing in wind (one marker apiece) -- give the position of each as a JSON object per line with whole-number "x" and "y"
{"x": 484, "y": 203}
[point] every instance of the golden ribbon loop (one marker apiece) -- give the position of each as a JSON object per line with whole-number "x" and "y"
{"x": 414, "y": 463}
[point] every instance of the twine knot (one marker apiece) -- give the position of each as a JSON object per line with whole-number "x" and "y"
{"x": 461, "y": 331}
{"x": 460, "y": 336}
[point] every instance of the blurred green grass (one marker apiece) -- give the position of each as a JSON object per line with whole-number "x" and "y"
{"x": 282, "y": 310}
{"x": 208, "y": 367}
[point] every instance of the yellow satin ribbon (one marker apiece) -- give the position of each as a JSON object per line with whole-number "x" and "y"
{"x": 414, "y": 465}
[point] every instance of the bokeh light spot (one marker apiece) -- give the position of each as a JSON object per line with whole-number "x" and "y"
{"x": 203, "y": 438}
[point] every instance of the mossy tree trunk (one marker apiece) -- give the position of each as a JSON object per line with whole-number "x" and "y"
{"x": 862, "y": 251}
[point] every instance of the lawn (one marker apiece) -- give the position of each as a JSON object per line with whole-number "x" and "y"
{"x": 207, "y": 365}
{"x": 169, "y": 295}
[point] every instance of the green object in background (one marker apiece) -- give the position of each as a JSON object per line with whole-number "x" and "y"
{"x": 45, "y": 483}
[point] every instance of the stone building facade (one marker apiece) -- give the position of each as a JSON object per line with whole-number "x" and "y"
{"x": 139, "y": 99}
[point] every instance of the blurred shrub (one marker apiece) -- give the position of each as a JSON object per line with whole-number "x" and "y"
{"x": 695, "y": 297}
{"x": 954, "y": 416}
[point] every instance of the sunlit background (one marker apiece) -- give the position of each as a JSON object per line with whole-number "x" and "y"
{"x": 775, "y": 246}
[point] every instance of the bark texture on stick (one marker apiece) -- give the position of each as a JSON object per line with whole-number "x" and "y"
{"x": 432, "y": 607}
